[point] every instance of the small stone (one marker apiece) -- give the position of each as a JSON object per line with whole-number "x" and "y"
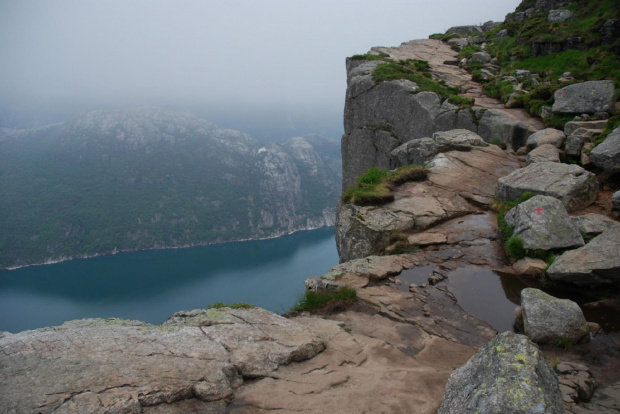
{"x": 530, "y": 267}
{"x": 551, "y": 136}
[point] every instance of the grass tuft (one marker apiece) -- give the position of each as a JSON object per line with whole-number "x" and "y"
{"x": 312, "y": 301}
{"x": 375, "y": 186}
{"x": 238, "y": 305}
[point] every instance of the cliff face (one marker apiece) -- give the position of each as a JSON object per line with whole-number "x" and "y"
{"x": 149, "y": 178}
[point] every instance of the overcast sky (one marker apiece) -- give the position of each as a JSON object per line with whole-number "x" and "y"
{"x": 284, "y": 52}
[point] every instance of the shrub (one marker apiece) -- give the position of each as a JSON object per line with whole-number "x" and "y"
{"x": 514, "y": 247}
{"x": 312, "y": 301}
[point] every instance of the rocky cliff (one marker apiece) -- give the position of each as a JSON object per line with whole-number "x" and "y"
{"x": 148, "y": 178}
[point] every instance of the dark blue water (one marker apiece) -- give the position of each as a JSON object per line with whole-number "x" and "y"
{"x": 151, "y": 285}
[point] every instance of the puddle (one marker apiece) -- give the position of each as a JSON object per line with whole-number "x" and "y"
{"x": 418, "y": 275}
{"x": 493, "y": 297}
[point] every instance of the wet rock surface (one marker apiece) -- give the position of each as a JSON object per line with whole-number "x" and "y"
{"x": 546, "y": 318}
{"x": 507, "y": 375}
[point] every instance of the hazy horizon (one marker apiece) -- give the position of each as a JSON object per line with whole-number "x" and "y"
{"x": 277, "y": 58}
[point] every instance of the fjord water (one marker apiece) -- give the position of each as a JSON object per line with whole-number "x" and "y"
{"x": 151, "y": 285}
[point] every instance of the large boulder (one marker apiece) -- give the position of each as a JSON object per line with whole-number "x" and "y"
{"x": 546, "y": 136}
{"x": 496, "y": 124}
{"x": 596, "y": 263}
{"x": 480, "y": 57}
{"x": 422, "y": 150}
{"x": 544, "y": 153}
{"x": 593, "y": 224}
{"x": 574, "y": 186}
{"x": 606, "y": 155}
{"x": 585, "y": 98}
{"x": 508, "y": 375}
{"x": 543, "y": 223}
{"x": 546, "y": 318}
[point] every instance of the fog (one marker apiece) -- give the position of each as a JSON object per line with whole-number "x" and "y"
{"x": 280, "y": 56}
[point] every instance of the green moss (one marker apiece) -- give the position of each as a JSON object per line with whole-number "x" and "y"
{"x": 238, "y": 305}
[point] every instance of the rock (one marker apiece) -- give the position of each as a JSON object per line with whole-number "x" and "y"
{"x": 96, "y": 365}
{"x": 606, "y": 155}
{"x": 573, "y": 146}
{"x": 530, "y": 267}
{"x": 465, "y": 30}
{"x": 610, "y": 31}
{"x": 497, "y": 125}
{"x": 522, "y": 73}
{"x": 543, "y": 153}
{"x": 481, "y": 57}
{"x": 422, "y": 150}
{"x": 551, "y": 136}
{"x": 576, "y": 382}
{"x": 514, "y": 101}
{"x": 490, "y": 25}
{"x": 593, "y": 224}
{"x": 522, "y": 151}
{"x": 502, "y": 34}
{"x": 598, "y": 262}
{"x": 507, "y": 375}
{"x": 615, "y": 200}
{"x": 585, "y": 154}
{"x": 545, "y": 5}
{"x": 559, "y": 16}
{"x": 543, "y": 223}
{"x": 546, "y": 318}
{"x": 458, "y": 43}
{"x": 604, "y": 400}
{"x": 587, "y": 97}
{"x": 574, "y": 186}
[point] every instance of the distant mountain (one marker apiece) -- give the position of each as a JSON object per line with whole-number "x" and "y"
{"x": 148, "y": 178}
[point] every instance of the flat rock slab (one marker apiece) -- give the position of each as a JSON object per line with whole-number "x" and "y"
{"x": 598, "y": 262}
{"x": 546, "y": 318}
{"x": 113, "y": 365}
{"x": 543, "y": 153}
{"x": 543, "y": 223}
{"x": 571, "y": 184}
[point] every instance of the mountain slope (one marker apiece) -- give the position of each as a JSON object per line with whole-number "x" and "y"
{"x": 149, "y": 178}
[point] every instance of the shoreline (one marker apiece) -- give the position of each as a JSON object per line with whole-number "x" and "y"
{"x": 116, "y": 251}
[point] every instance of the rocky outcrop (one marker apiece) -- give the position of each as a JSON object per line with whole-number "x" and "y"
{"x": 543, "y": 223}
{"x": 458, "y": 182}
{"x": 113, "y": 365}
{"x": 593, "y": 224}
{"x": 606, "y": 155}
{"x": 597, "y": 263}
{"x": 559, "y": 16}
{"x": 507, "y": 375}
{"x": 546, "y": 318}
{"x": 571, "y": 184}
{"x": 379, "y": 117}
{"x": 585, "y": 98}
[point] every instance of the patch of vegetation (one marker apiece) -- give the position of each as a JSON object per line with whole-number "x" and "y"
{"x": 468, "y": 51}
{"x": 444, "y": 37}
{"x": 498, "y": 89}
{"x": 514, "y": 247}
{"x": 557, "y": 121}
{"x": 563, "y": 342}
{"x": 370, "y": 56}
{"x": 461, "y": 101}
{"x": 375, "y": 186}
{"x": 238, "y": 305}
{"x": 314, "y": 301}
{"x": 476, "y": 76}
{"x": 415, "y": 71}
{"x": 612, "y": 123}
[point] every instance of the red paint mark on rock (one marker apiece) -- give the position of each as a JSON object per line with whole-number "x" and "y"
{"x": 538, "y": 210}
{"x": 563, "y": 94}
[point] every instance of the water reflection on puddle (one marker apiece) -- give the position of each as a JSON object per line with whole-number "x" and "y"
{"x": 493, "y": 297}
